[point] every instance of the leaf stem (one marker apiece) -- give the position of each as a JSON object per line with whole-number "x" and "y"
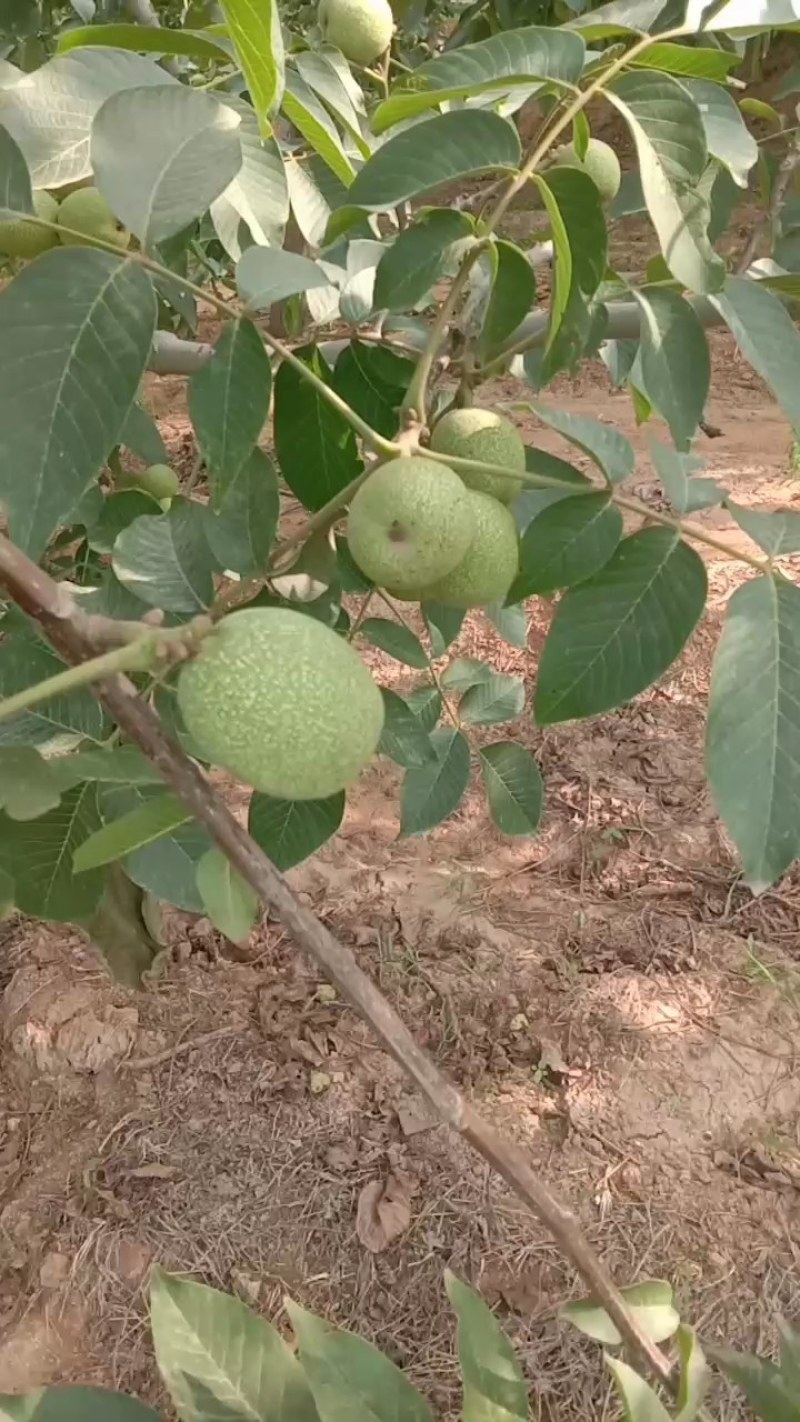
{"x": 133, "y": 656}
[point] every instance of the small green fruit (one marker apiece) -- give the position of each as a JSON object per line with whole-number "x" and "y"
{"x": 491, "y": 563}
{"x": 361, "y": 29}
{"x": 282, "y": 702}
{"x": 20, "y": 238}
{"x": 600, "y": 163}
{"x": 159, "y": 480}
{"x": 86, "y": 211}
{"x": 481, "y": 434}
{"x": 410, "y": 523}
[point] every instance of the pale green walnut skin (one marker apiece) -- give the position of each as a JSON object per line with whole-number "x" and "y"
{"x": 600, "y": 163}
{"x": 491, "y": 564}
{"x": 158, "y": 480}
{"x": 361, "y": 29}
{"x": 24, "y": 240}
{"x": 88, "y": 213}
{"x": 483, "y": 435}
{"x": 410, "y": 523}
{"x": 283, "y": 703}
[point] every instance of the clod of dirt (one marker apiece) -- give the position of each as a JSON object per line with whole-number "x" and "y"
{"x": 54, "y": 1270}
{"x": 53, "y": 1027}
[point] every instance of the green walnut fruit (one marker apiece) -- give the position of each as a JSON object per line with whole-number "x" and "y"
{"x": 282, "y": 702}
{"x": 158, "y": 480}
{"x": 23, "y": 239}
{"x": 87, "y": 212}
{"x": 361, "y": 29}
{"x": 600, "y": 162}
{"x": 491, "y": 563}
{"x": 409, "y": 523}
{"x": 481, "y": 434}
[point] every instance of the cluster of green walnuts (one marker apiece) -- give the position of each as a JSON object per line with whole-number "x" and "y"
{"x": 82, "y": 216}
{"x": 285, "y": 703}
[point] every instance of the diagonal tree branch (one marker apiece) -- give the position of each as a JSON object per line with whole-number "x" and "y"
{"x": 69, "y": 630}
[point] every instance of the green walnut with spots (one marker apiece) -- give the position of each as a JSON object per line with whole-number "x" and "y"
{"x": 490, "y": 564}
{"x": 480, "y": 434}
{"x": 22, "y": 239}
{"x": 283, "y": 703}
{"x": 599, "y": 162}
{"x": 410, "y": 523}
{"x": 88, "y": 216}
{"x": 361, "y": 29}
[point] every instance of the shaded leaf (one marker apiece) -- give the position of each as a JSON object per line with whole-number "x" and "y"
{"x": 438, "y": 150}
{"x": 289, "y": 831}
{"x": 166, "y": 561}
{"x": 510, "y": 623}
{"x": 302, "y": 107}
{"x": 675, "y": 361}
{"x": 685, "y": 492}
{"x": 403, "y": 738}
{"x": 116, "y": 512}
{"x": 418, "y": 257}
{"x": 316, "y": 446}
{"x": 695, "y": 1375}
{"x": 350, "y": 1378}
{"x": 118, "y": 931}
{"x": 443, "y": 624}
{"x": 619, "y": 631}
{"x": 426, "y": 704}
{"x": 167, "y": 867}
{"x": 373, "y": 380}
{"x": 512, "y": 295}
{"x": 514, "y": 787}
{"x": 266, "y": 275}
{"x": 753, "y": 733}
{"x": 777, "y": 532}
{"x": 38, "y": 856}
{"x": 25, "y": 662}
{"x": 228, "y": 402}
{"x": 241, "y": 534}
{"x": 259, "y": 194}
{"x": 383, "y": 1212}
{"x": 75, "y": 1404}
{"x": 229, "y": 901}
{"x": 432, "y": 792}
{"x": 565, "y": 543}
{"x": 465, "y": 672}
{"x": 497, "y": 698}
{"x": 396, "y": 640}
{"x": 727, "y": 137}
{"x": 220, "y": 1360}
{"x": 158, "y": 816}
{"x": 99, "y": 315}
{"x": 532, "y": 501}
{"x": 28, "y": 786}
{"x": 256, "y": 33}
{"x": 155, "y": 40}
{"x": 606, "y": 447}
{"x": 141, "y": 435}
{"x": 766, "y": 336}
{"x": 15, "y": 183}
{"x": 581, "y": 210}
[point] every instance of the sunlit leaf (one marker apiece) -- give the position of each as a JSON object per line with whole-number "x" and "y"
{"x": 256, "y": 33}
{"x": 438, "y": 150}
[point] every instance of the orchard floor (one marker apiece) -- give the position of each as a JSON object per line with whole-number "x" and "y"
{"x": 609, "y": 993}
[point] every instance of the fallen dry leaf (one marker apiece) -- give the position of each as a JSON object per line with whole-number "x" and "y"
{"x": 384, "y": 1211}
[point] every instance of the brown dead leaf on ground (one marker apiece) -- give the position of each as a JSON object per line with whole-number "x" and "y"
{"x": 384, "y": 1211}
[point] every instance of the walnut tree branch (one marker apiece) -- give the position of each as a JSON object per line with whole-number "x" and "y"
{"x": 67, "y": 628}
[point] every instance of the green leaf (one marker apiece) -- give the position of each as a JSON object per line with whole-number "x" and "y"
{"x": 562, "y": 269}
{"x": 512, "y": 295}
{"x": 59, "y": 428}
{"x": 38, "y": 856}
{"x": 426, "y": 704}
{"x": 494, "y": 1388}
{"x": 403, "y": 737}
{"x": 789, "y": 1355}
{"x": 510, "y": 623}
{"x": 768, "y": 1392}
{"x": 161, "y": 156}
{"x": 166, "y": 561}
{"x": 465, "y": 672}
{"x": 155, "y": 40}
{"x": 116, "y": 513}
{"x": 15, "y": 182}
{"x": 257, "y": 36}
{"x": 28, "y": 785}
{"x": 120, "y": 765}
{"x": 675, "y": 362}
{"x": 443, "y": 624}
{"x": 156, "y": 817}
{"x": 776, "y": 532}
{"x": 695, "y": 1375}
{"x": 581, "y": 210}
{"x": 258, "y": 195}
{"x": 265, "y": 276}
{"x": 766, "y": 336}
{"x": 167, "y": 868}
{"x": 220, "y": 1360}
{"x": 753, "y": 736}
{"x": 493, "y": 65}
{"x": 670, "y": 143}
{"x": 373, "y": 380}
{"x": 302, "y": 107}
{"x": 141, "y": 435}
{"x": 727, "y": 137}
{"x": 639, "y": 1402}
{"x": 514, "y": 787}
{"x": 566, "y": 543}
{"x": 531, "y": 502}
{"x": 75, "y": 1404}
{"x": 316, "y": 446}
{"x": 350, "y": 1378}
{"x": 118, "y": 931}
{"x": 606, "y": 447}
{"x": 651, "y": 1302}
{"x": 619, "y": 631}
{"x": 438, "y": 150}
{"x": 25, "y": 662}
{"x": 498, "y": 698}
{"x": 228, "y": 402}
{"x": 241, "y": 534}
{"x": 432, "y": 792}
{"x": 419, "y": 257}
{"x": 229, "y": 901}
{"x": 394, "y": 639}
{"x": 50, "y": 114}
{"x": 694, "y": 63}
{"x": 676, "y": 472}
{"x": 289, "y": 831}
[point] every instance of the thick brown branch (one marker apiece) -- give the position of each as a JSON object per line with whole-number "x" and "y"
{"x": 42, "y": 599}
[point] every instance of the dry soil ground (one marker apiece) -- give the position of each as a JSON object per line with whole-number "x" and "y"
{"x": 609, "y": 992}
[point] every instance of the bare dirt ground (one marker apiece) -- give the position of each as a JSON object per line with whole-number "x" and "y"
{"x": 610, "y": 993}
